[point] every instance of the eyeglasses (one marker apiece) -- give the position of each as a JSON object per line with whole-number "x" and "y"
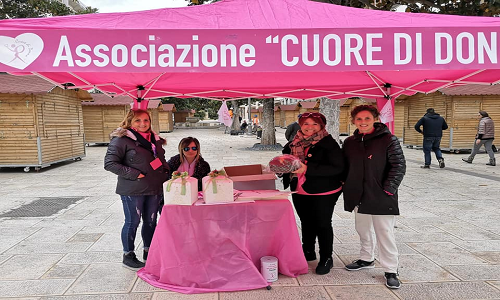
{"x": 192, "y": 148}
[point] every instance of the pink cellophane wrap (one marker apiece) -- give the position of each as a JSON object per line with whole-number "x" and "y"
{"x": 199, "y": 249}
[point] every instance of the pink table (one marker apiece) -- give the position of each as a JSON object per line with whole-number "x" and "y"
{"x": 210, "y": 248}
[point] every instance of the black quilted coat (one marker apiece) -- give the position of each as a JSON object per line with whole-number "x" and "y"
{"x": 201, "y": 169}
{"x": 374, "y": 163}
{"x": 127, "y": 158}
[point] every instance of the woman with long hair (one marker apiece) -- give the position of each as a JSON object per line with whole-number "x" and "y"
{"x": 135, "y": 153}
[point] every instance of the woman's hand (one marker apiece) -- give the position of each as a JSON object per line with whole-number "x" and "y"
{"x": 478, "y": 141}
{"x": 140, "y": 176}
{"x": 302, "y": 169}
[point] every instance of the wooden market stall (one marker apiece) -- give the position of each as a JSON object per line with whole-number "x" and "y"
{"x": 40, "y": 124}
{"x": 166, "y": 117}
{"x": 103, "y": 115}
{"x": 277, "y": 116}
{"x": 458, "y": 106}
{"x": 181, "y": 115}
{"x": 155, "y": 118}
{"x": 289, "y": 114}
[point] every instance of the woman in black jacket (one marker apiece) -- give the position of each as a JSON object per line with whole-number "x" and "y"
{"x": 136, "y": 155}
{"x": 189, "y": 160}
{"x": 317, "y": 184}
{"x": 375, "y": 167}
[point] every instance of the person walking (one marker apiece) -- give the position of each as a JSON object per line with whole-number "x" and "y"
{"x": 317, "y": 185}
{"x": 136, "y": 155}
{"x": 433, "y": 125}
{"x": 291, "y": 129}
{"x": 485, "y": 136}
{"x": 375, "y": 167}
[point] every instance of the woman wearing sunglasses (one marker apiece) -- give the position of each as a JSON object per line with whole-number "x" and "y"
{"x": 317, "y": 184}
{"x": 189, "y": 160}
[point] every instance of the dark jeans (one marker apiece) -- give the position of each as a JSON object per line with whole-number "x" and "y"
{"x": 432, "y": 143}
{"x": 135, "y": 207}
{"x": 315, "y": 213}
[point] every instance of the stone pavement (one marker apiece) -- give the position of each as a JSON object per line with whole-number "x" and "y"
{"x": 448, "y": 234}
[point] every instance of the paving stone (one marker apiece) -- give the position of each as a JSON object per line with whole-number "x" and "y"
{"x": 25, "y": 267}
{"x": 85, "y": 237}
{"x": 53, "y": 234}
{"x": 28, "y": 288}
{"x": 104, "y": 278}
{"x": 476, "y": 272}
{"x": 178, "y": 296}
{"x": 446, "y": 253}
{"x": 134, "y": 296}
{"x": 27, "y": 248}
{"x": 344, "y": 277}
{"x": 65, "y": 271}
{"x": 491, "y": 257}
{"x": 143, "y": 286}
{"x": 476, "y": 246}
{"x": 278, "y": 293}
{"x": 360, "y": 292}
{"x": 418, "y": 268}
{"x": 448, "y": 290}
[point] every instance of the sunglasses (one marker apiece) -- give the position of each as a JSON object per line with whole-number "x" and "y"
{"x": 311, "y": 114}
{"x": 192, "y": 148}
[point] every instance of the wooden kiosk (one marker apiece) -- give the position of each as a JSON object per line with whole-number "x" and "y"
{"x": 41, "y": 124}
{"x": 103, "y": 115}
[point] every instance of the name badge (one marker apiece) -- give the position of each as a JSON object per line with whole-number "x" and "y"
{"x": 155, "y": 164}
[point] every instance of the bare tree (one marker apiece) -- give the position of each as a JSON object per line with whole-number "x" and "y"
{"x": 331, "y": 109}
{"x": 267, "y": 123}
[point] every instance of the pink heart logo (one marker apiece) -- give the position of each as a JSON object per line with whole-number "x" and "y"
{"x": 21, "y": 51}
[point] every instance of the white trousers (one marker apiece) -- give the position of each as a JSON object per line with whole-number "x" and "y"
{"x": 378, "y": 230}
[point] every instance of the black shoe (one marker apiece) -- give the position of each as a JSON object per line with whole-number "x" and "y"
{"x": 392, "y": 281}
{"x": 131, "y": 261}
{"x": 145, "y": 255}
{"x": 310, "y": 255}
{"x": 492, "y": 162}
{"x": 425, "y": 167}
{"x": 467, "y": 160}
{"x": 324, "y": 266}
{"x": 360, "y": 264}
{"x": 441, "y": 162}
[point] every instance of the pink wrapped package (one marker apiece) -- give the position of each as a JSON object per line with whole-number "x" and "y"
{"x": 285, "y": 163}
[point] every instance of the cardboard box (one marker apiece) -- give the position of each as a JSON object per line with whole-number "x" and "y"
{"x": 174, "y": 197}
{"x": 251, "y": 177}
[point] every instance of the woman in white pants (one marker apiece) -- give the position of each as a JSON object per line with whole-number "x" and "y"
{"x": 375, "y": 168}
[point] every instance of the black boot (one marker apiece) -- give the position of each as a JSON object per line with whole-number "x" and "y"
{"x": 324, "y": 266}
{"x": 131, "y": 261}
{"x": 492, "y": 162}
{"x": 309, "y": 254}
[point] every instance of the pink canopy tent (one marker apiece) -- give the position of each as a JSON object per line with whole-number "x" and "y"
{"x": 255, "y": 48}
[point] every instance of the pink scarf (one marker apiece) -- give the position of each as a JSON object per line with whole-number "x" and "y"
{"x": 301, "y": 142}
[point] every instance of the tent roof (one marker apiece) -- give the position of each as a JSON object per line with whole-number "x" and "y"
{"x": 250, "y": 14}
{"x": 261, "y": 23}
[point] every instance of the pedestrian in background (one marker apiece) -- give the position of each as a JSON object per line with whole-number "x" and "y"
{"x": 291, "y": 129}
{"x": 317, "y": 185}
{"x": 375, "y": 167}
{"x": 135, "y": 153}
{"x": 433, "y": 125}
{"x": 485, "y": 136}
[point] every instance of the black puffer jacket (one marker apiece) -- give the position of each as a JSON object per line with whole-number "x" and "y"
{"x": 374, "y": 163}
{"x": 433, "y": 125}
{"x": 201, "y": 168}
{"x": 325, "y": 166}
{"x": 127, "y": 158}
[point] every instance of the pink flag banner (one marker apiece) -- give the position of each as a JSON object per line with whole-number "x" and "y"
{"x": 224, "y": 116}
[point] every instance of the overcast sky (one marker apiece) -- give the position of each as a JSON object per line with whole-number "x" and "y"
{"x": 106, "y": 6}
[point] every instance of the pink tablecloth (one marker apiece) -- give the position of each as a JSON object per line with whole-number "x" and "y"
{"x": 198, "y": 249}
